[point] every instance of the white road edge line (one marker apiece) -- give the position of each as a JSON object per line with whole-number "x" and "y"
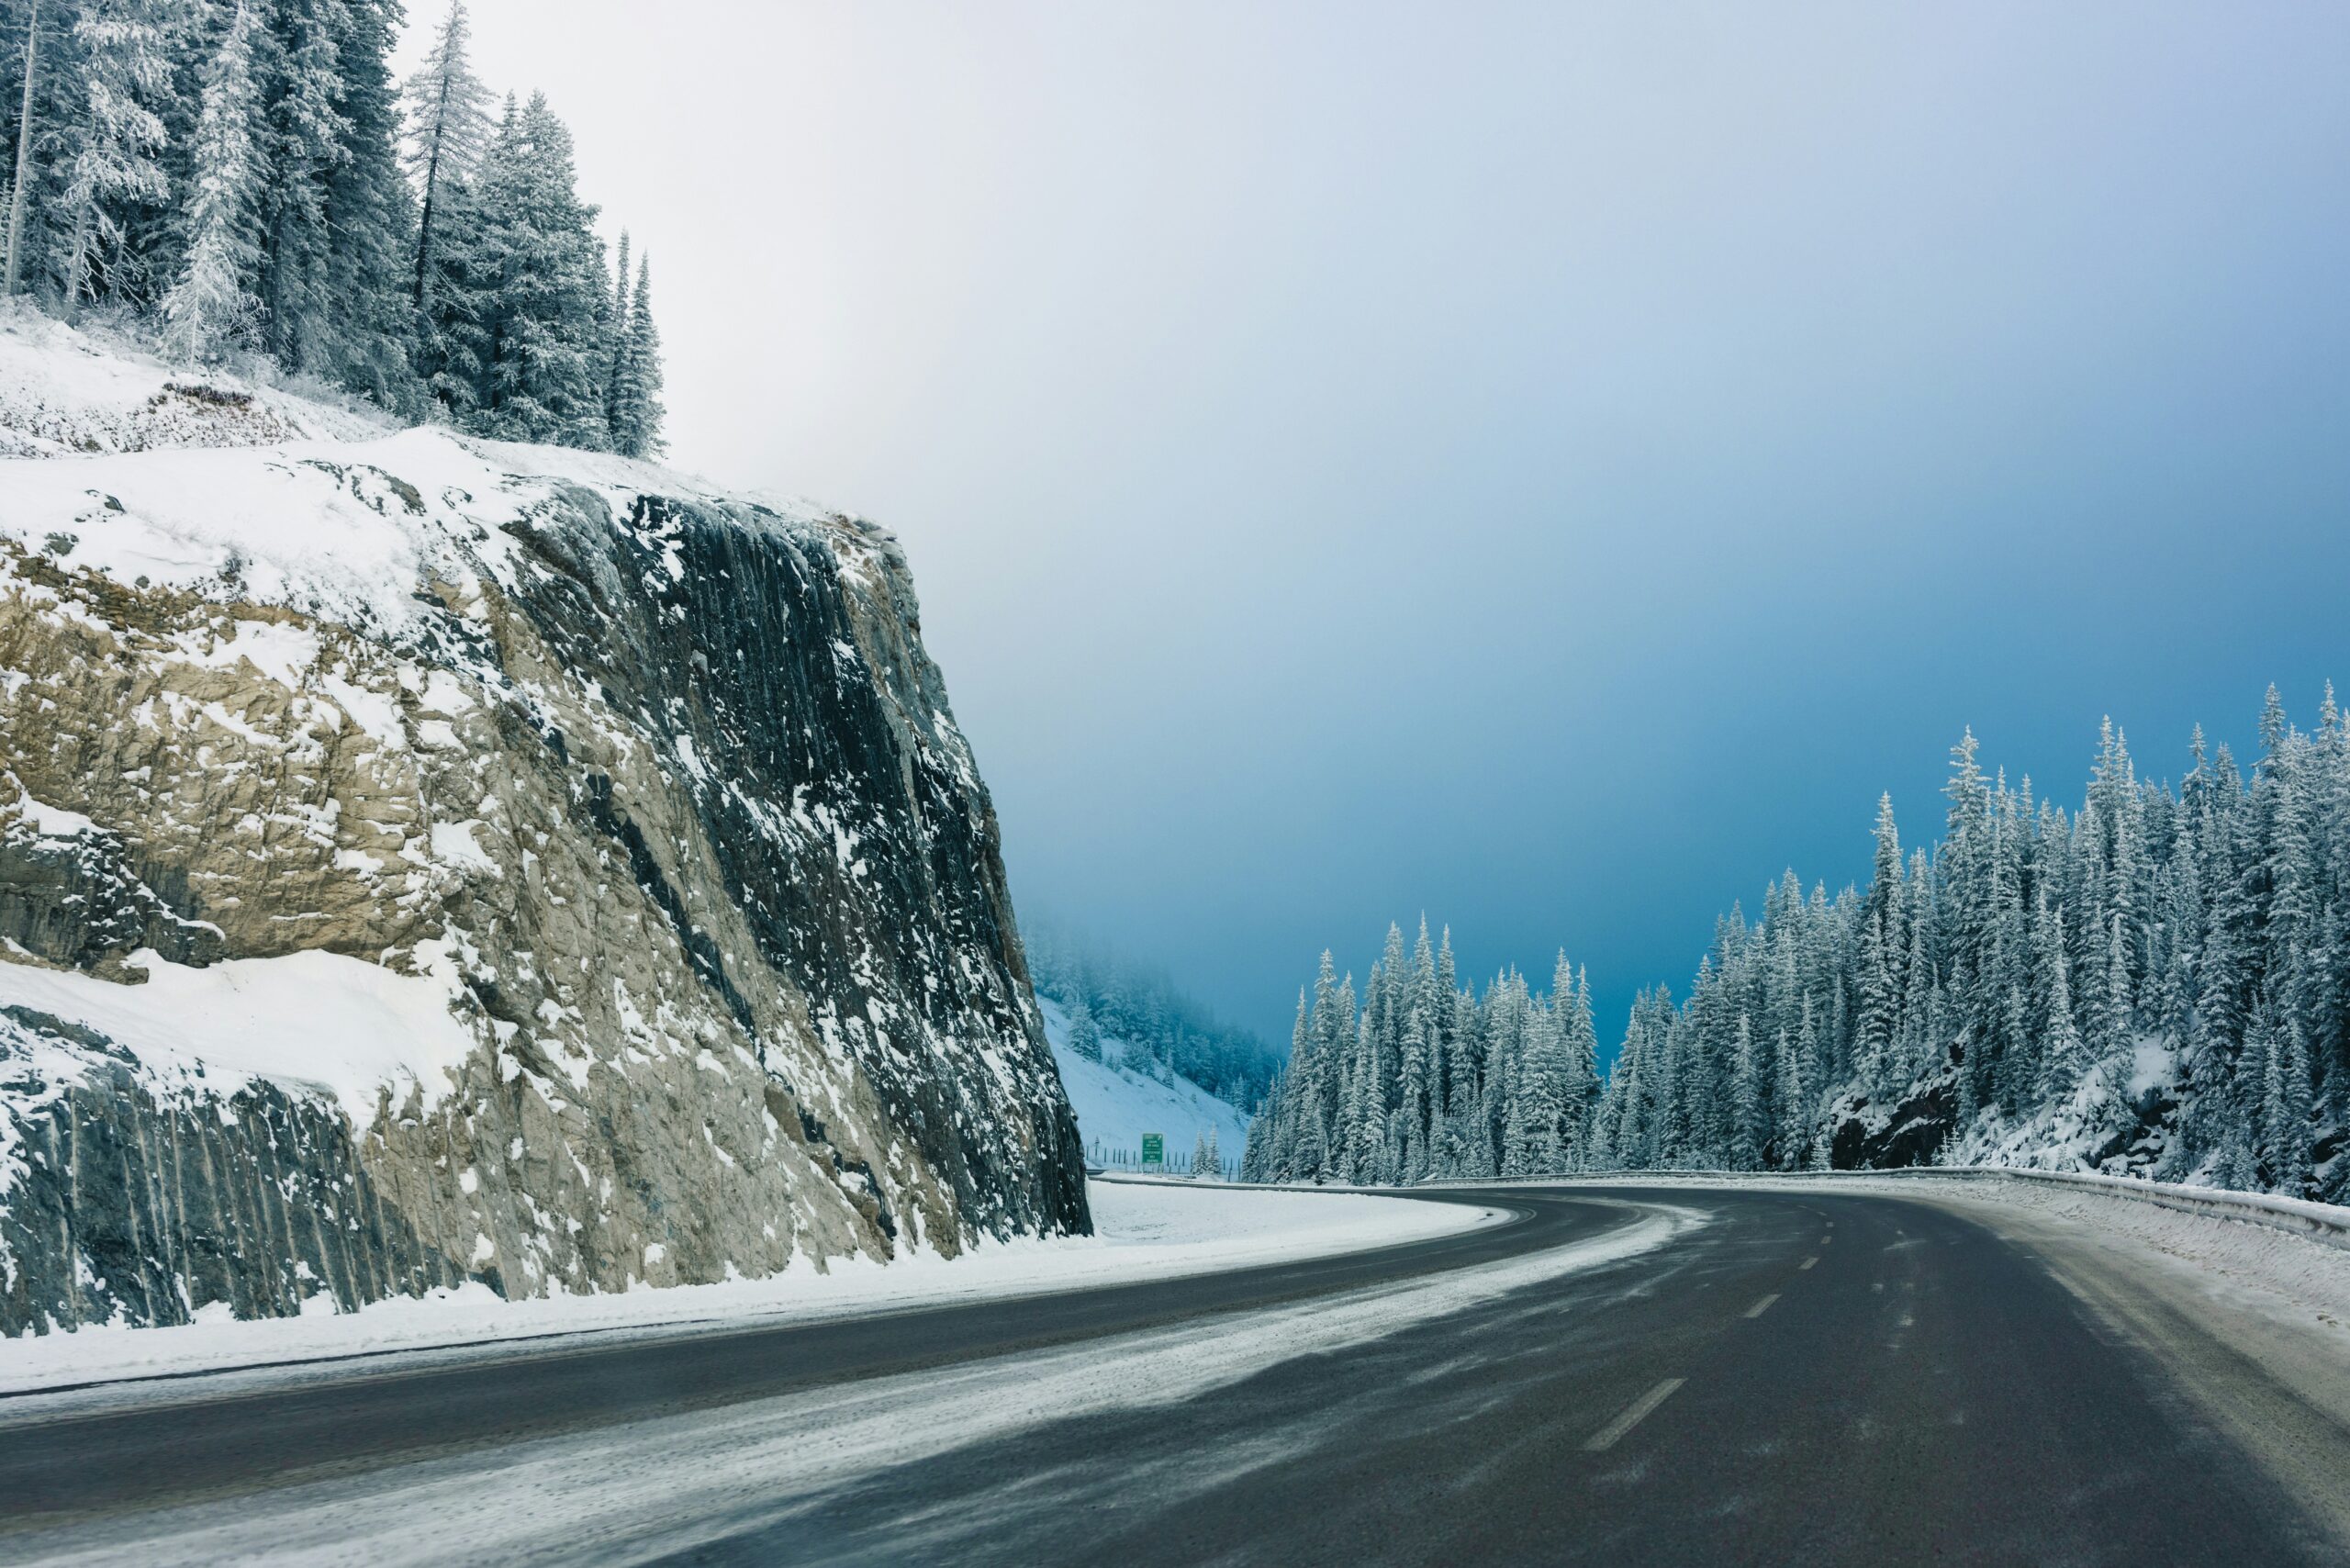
{"x": 1634, "y": 1413}
{"x": 1760, "y": 1307}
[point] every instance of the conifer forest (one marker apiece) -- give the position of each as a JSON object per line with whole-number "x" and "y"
{"x": 2156, "y": 981}
{"x": 243, "y": 181}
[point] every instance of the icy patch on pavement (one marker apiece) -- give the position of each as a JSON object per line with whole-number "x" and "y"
{"x": 661, "y": 1487}
{"x": 2251, "y": 1321}
{"x": 1142, "y": 1231}
{"x": 2278, "y": 1272}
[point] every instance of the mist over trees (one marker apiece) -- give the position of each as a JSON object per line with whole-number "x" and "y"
{"x": 243, "y": 182}
{"x": 2156, "y": 983}
{"x": 1166, "y": 1033}
{"x": 1419, "y": 1078}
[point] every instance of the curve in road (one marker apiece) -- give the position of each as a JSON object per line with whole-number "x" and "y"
{"x": 1811, "y": 1377}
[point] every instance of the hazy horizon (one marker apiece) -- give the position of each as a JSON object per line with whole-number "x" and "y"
{"x": 1546, "y": 468}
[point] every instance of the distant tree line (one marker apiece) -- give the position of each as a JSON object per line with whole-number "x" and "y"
{"x": 243, "y": 177}
{"x": 1419, "y": 1078}
{"x": 2156, "y": 983}
{"x": 2020, "y": 979}
{"x": 1166, "y": 1033}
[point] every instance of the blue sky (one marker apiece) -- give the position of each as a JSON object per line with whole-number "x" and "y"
{"x": 1549, "y": 465}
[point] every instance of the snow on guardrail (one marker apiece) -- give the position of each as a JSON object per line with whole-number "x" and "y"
{"x": 2328, "y": 1223}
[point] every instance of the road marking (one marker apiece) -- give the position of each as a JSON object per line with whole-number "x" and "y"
{"x": 1634, "y": 1413}
{"x": 1826, "y": 1239}
{"x": 1760, "y": 1307}
{"x": 1808, "y": 1261}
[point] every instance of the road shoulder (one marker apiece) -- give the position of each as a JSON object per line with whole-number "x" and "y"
{"x": 2251, "y": 1324}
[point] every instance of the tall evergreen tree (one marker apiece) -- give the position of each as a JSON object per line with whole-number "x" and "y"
{"x": 1746, "y": 1101}
{"x": 541, "y": 272}
{"x": 1084, "y": 1034}
{"x": 447, "y": 136}
{"x": 212, "y": 306}
{"x": 638, "y": 414}
{"x": 363, "y": 344}
{"x": 29, "y": 122}
{"x": 230, "y": 170}
{"x": 111, "y": 165}
{"x": 298, "y": 62}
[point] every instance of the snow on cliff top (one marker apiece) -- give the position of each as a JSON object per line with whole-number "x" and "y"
{"x": 65, "y": 392}
{"x": 241, "y": 491}
{"x": 111, "y": 460}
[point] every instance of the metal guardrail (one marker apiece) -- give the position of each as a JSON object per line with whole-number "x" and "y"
{"x": 2327, "y": 1223}
{"x": 1141, "y": 1179}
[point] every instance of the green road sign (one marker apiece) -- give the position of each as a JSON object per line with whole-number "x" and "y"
{"x": 1154, "y": 1148}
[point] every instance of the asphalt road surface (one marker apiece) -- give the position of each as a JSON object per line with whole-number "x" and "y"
{"x": 1810, "y": 1377}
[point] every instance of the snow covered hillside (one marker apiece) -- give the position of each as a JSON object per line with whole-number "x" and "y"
{"x": 1116, "y": 1105}
{"x": 428, "y": 861}
{"x": 69, "y": 393}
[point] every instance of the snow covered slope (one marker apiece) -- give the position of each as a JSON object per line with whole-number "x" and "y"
{"x": 1115, "y": 1107}
{"x": 427, "y": 860}
{"x": 65, "y": 393}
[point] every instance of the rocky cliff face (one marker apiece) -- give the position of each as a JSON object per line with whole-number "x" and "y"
{"x": 424, "y": 860}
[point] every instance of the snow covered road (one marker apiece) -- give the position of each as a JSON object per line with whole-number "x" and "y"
{"x": 1625, "y": 1374}
{"x": 1144, "y": 1230}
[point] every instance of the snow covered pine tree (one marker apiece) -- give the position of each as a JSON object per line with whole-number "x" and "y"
{"x": 245, "y": 177}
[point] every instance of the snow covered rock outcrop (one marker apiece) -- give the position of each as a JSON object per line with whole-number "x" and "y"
{"x": 425, "y": 859}
{"x": 2116, "y": 1123}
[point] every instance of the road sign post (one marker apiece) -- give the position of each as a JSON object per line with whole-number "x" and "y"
{"x": 1154, "y": 1151}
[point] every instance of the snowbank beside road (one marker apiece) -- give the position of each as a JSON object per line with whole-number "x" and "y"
{"x": 1144, "y": 1231}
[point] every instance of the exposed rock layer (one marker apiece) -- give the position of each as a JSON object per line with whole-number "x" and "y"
{"x": 658, "y": 787}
